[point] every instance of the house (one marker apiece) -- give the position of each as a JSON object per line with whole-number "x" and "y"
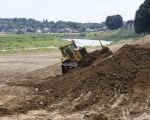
{"x": 46, "y": 30}
{"x": 38, "y": 31}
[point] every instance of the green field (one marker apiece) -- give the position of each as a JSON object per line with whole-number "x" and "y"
{"x": 30, "y": 43}
{"x": 43, "y": 43}
{"x": 109, "y": 35}
{"x": 113, "y": 35}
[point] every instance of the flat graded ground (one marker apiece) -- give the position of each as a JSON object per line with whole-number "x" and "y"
{"x": 17, "y": 65}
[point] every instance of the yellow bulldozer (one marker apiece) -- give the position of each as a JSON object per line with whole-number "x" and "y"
{"x": 72, "y": 56}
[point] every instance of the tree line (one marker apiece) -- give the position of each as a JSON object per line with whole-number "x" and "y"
{"x": 32, "y": 25}
{"x": 24, "y": 25}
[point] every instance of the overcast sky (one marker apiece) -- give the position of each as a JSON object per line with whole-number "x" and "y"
{"x": 69, "y": 10}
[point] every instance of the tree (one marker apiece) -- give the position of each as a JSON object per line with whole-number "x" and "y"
{"x": 130, "y": 24}
{"x": 12, "y": 25}
{"x": 142, "y": 18}
{"x": 114, "y": 22}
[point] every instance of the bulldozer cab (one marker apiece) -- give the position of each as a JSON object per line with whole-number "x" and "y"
{"x": 67, "y": 51}
{"x": 72, "y": 56}
{"x": 72, "y": 53}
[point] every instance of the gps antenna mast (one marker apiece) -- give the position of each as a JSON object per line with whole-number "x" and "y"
{"x": 99, "y": 41}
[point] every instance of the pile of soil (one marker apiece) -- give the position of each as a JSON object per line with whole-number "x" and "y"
{"x": 117, "y": 84}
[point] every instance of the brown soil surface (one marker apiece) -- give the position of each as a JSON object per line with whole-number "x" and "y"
{"x": 113, "y": 87}
{"x": 144, "y": 41}
{"x": 17, "y": 65}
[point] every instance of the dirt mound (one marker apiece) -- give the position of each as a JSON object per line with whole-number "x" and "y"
{"x": 116, "y": 85}
{"x": 35, "y": 80}
{"x": 121, "y": 80}
{"x": 145, "y": 41}
{"x": 93, "y": 56}
{"x": 99, "y": 53}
